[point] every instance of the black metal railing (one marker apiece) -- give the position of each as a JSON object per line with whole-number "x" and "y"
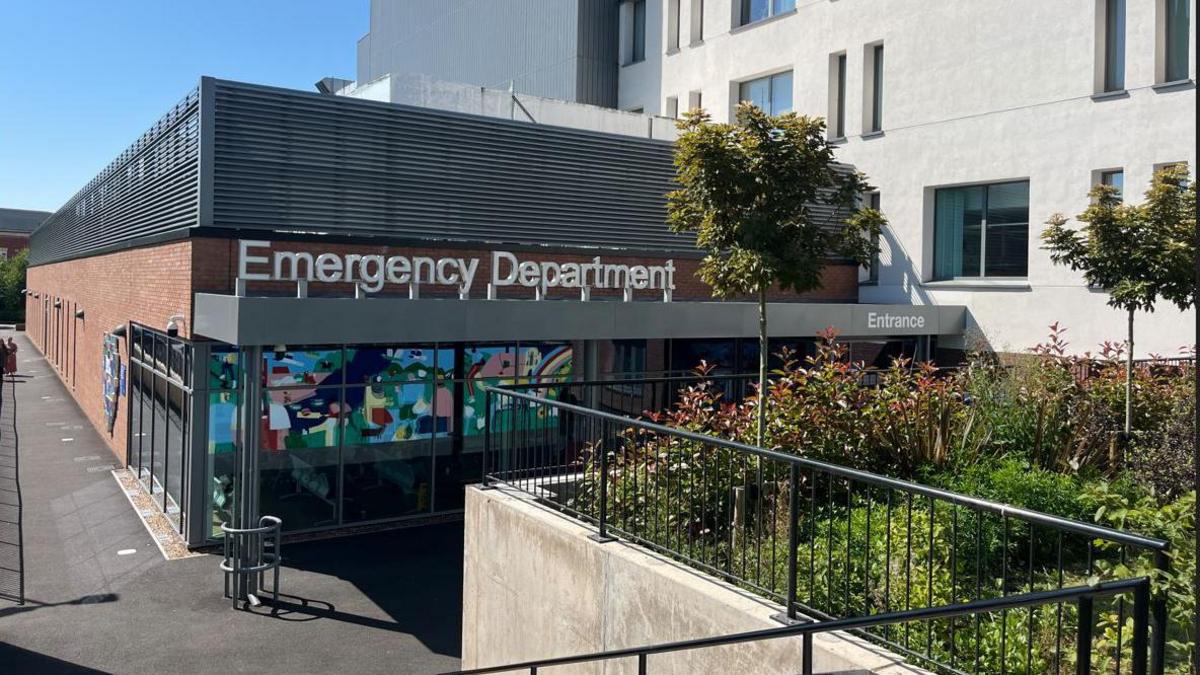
{"x": 821, "y": 539}
{"x": 1083, "y": 596}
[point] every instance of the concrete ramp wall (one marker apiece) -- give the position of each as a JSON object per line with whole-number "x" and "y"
{"x": 535, "y": 586}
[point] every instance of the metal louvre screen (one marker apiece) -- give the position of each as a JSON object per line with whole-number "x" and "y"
{"x": 293, "y": 161}
{"x": 150, "y": 188}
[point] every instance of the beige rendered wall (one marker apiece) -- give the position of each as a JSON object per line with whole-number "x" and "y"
{"x": 535, "y": 586}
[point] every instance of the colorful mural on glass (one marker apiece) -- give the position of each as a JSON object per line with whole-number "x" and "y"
{"x": 223, "y": 378}
{"x": 407, "y": 395}
{"x": 501, "y": 365}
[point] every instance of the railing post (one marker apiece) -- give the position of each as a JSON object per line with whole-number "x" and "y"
{"x": 1141, "y": 627}
{"x": 1083, "y": 644}
{"x": 788, "y": 616}
{"x": 1158, "y": 618}
{"x": 602, "y": 535}
{"x": 806, "y": 659}
{"x": 793, "y": 537}
{"x": 487, "y": 436}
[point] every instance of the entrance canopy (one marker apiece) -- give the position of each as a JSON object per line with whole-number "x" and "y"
{"x": 272, "y": 320}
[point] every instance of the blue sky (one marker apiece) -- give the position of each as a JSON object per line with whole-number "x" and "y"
{"x": 81, "y": 80}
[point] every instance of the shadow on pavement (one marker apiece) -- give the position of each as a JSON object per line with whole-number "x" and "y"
{"x": 414, "y": 575}
{"x": 33, "y": 605}
{"x": 17, "y": 660}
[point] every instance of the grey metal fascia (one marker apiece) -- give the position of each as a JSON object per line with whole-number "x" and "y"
{"x": 272, "y": 320}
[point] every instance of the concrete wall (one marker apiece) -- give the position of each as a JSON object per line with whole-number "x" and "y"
{"x": 564, "y": 49}
{"x": 535, "y": 586}
{"x": 429, "y": 92}
{"x": 973, "y": 92}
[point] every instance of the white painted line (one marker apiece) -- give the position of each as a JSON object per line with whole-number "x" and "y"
{"x": 67, "y": 440}
{"x": 145, "y": 524}
{"x": 127, "y": 551}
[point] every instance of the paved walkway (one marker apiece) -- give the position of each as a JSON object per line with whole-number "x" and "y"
{"x": 386, "y": 602}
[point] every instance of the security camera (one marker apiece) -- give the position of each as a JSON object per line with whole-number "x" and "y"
{"x": 280, "y": 352}
{"x": 173, "y": 325}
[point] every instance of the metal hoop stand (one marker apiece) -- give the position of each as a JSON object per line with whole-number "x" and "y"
{"x": 246, "y": 559}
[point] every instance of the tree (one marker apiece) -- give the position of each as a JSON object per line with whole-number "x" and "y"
{"x": 1138, "y": 253}
{"x": 769, "y": 206}
{"x": 12, "y": 280}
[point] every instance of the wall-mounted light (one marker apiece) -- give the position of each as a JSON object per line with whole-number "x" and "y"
{"x": 119, "y": 331}
{"x": 57, "y": 303}
{"x": 173, "y": 324}
{"x": 79, "y": 314}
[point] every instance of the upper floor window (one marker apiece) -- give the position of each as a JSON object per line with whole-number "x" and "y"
{"x": 1114, "y": 178}
{"x": 873, "y": 268}
{"x": 1113, "y": 57}
{"x": 773, "y": 94}
{"x": 981, "y": 231}
{"x": 637, "y": 51}
{"x": 837, "y": 95}
{"x": 757, "y": 10}
{"x": 672, "y": 25}
{"x": 1175, "y": 24}
{"x": 697, "y": 21}
{"x": 873, "y": 88}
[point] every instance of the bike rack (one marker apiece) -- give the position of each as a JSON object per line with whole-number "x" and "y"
{"x": 246, "y": 560}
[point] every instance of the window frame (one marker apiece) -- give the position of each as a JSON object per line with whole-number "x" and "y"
{"x": 770, "y": 80}
{"x": 635, "y": 33}
{"x": 983, "y": 232}
{"x": 774, "y": 8}
{"x": 1114, "y": 46}
{"x": 1170, "y": 71}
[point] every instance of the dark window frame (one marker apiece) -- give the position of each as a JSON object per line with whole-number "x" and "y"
{"x": 983, "y": 233}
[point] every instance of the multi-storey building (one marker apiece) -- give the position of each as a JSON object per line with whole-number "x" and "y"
{"x": 976, "y": 122}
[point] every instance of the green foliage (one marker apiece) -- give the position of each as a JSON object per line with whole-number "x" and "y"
{"x": 750, "y": 193}
{"x": 1174, "y": 522}
{"x": 1138, "y": 253}
{"x": 1037, "y": 435}
{"x": 12, "y": 280}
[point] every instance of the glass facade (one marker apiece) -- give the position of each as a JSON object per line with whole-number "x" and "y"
{"x": 354, "y": 434}
{"x": 982, "y": 231}
{"x": 358, "y": 434}
{"x": 159, "y": 395}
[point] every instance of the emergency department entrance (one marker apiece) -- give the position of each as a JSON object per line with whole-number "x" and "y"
{"x": 351, "y": 428}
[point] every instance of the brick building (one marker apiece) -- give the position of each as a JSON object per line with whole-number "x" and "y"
{"x": 15, "y": 227}
{"x": 357, "y": 269}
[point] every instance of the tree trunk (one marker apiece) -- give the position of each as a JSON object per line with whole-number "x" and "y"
{"x": 762, "y": 365}
{"x": 1129, "y": 383}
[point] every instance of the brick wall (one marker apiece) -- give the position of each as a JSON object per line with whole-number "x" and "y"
{"x": 150, "y": 284}
{"x": 13, "y": 243}
{"x": 146, "y": 285}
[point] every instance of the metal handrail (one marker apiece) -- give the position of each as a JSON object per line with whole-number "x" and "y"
{"x": 528, "y": 462}
{"x": 235, "y": 542}
{"x": 1079, "y": 527}
{"x": 1083, "y": 595}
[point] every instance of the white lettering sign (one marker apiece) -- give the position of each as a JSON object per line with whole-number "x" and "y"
{"x": 887, "y": 320}
{"x": 257, "y": 262}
